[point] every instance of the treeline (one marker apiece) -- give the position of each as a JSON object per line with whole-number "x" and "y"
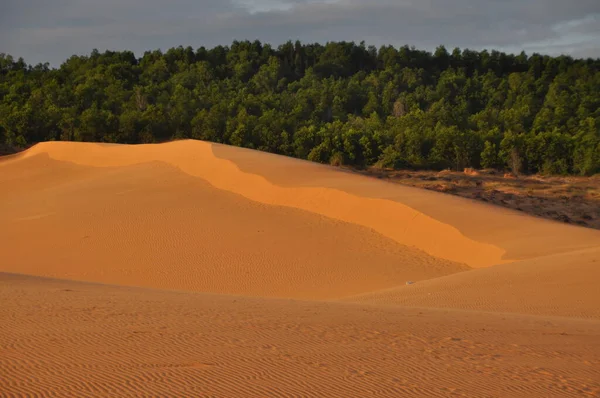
{"x": 339, "y": 103}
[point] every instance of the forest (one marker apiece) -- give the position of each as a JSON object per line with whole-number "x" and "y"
{"x": 339, "y": 103}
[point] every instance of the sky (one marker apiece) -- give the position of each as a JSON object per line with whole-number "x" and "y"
{"x": 53, "y": 30}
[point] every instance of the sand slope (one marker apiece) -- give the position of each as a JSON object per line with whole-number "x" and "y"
{"x": 384, "y": 216}
{"x": 151, "y": 225}
{"x": 518, "y": 235}
{"x": 72, "y": 339}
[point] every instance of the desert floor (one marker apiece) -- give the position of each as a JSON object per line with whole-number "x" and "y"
{"x": 197, "y": 269}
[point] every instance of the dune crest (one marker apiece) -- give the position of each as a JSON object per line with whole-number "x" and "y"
{"x": 392, "y": 219}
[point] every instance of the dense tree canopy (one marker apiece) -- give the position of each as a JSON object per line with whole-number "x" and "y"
{"x": 338, "y": 103}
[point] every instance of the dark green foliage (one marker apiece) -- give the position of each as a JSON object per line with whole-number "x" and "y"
{"x": 339, "y": 103}
{"x": 489, "y": 156}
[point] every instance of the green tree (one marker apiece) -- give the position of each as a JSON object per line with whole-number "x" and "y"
{"x": 489, "y": 156}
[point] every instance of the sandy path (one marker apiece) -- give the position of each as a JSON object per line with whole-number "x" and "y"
{"x": 72, "y": 339}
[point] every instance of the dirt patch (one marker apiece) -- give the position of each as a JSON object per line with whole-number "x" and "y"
{"x": 572, "y": 200}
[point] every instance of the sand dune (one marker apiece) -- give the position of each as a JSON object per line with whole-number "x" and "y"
{"x": 212, "y": 218}
{"x": 383, "y": 216}
{"x": 105, "y": 341}
{"x": 151, "y": 225}
{"x": 504, "y": 304}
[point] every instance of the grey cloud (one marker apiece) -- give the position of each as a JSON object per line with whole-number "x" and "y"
{"x": 51, "y": 32}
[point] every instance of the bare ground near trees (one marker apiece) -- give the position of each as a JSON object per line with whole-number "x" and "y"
{"x": 7, "y": 150}
{"x": 573, "y": 200}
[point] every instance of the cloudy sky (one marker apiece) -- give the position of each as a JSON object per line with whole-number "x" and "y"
{"x": 52, "y": 30}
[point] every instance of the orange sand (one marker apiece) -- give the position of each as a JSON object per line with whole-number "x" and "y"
{"x": 507, "y": 303}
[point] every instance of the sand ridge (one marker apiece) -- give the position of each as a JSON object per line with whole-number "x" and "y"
{"x": 389, "y": 218}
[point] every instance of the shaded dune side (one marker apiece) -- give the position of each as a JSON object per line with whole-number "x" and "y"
{"x": 151, "y": 225}
{"x": 392, "y": 219}
{"x": 521, "y": 235}
{"x": 560, "y": 284}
